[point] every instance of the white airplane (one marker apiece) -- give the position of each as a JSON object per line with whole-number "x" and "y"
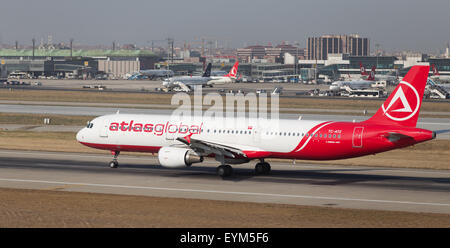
{"x": 379, "y": 77}
{"x": 355, "y": 84}
{"x": 438, "y": 76}
{"x": 181, "y": 142}
{"x": 226, "y": 79}
{"x": 187, "y": 83}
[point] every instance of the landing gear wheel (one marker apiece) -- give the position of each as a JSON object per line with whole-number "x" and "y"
{"x": 262, "y": 168}
{"x": 113, "y": 164}
{"x": 224, "y": 170}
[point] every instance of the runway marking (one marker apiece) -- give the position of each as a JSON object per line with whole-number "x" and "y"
{"x": 227, "y": 192}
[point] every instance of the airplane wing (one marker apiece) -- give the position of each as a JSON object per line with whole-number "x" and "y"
{"x": 207, "y": 147}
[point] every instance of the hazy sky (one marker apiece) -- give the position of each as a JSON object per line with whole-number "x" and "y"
{"x": 395, "y": 24}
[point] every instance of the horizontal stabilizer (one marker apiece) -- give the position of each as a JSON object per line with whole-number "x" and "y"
{"x": 394, "y": 137}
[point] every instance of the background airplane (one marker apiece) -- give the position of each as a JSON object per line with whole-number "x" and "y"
{"x": 228, "y": 78}
{"x": 385, "y": 77}
{"x": 187, "y": 83}
{"x": 437, "y": 76}
{"x": 355, "y": 84}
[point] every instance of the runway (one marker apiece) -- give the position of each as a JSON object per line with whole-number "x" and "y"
{"x": 411, "y": 190}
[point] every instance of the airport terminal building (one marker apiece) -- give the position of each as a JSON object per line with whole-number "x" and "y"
{"x": 77, "y": 63}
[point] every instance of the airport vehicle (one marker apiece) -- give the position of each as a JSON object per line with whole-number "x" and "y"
{"x": 18, "y": 75}
{"x": 438, "y": 76}
{"x": 226, "y": 79}
{"x": 187, "y": 83}
{"x": 182, "y": 142}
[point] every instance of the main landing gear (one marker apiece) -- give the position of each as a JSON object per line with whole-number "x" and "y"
{"x": 262, "y": 168}
{"x": 224, "y": 170}
{"x": 114, "y": 163}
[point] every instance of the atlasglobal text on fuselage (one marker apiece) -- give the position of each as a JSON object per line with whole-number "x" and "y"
{"x": 182, "y": 142}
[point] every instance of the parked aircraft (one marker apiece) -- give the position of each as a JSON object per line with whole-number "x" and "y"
{"x": 228, "y": 78}
{"x": 187, "y": 83}
{"x": 355, "y": 84}
{"x": 438, "y": 76}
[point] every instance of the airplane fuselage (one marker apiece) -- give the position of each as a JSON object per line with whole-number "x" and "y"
{"x": 291, "y": 139}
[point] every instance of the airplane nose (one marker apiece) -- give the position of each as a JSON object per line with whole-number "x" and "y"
{"x": 80, "y": 135}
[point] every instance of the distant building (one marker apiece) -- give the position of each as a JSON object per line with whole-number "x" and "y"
{"x": 52, "y": 62}
{"x": 268, "y": 53}
{"x": 319, "y": 47}
{"x": 252, "y": 52}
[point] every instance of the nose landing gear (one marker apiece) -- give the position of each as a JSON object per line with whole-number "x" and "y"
{"x": 114, "y": 163}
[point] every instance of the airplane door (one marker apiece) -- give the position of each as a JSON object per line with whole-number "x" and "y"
{"x": 357, "y": 139}
{"x": 104, "y": 129}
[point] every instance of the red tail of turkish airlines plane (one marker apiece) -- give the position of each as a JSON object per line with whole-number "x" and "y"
{"x": 435, "y": 71}
{"x": 372, "y": 74}
{"x": 233, "y": 70}
{"x": 403, "y": 105}
{"x": 363, "y": 69}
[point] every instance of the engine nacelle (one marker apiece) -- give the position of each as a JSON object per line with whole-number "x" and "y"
{"x": 176, "y": 157}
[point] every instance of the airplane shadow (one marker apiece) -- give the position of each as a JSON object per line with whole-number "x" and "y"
{"x": 312, "y": 176}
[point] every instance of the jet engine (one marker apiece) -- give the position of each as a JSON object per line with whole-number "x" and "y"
{"x": 176, "y": 157}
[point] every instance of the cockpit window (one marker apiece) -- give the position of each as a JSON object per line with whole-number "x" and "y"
{"x": 90, "y": 124}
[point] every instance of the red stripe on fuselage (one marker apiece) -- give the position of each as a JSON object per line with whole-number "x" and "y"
{"x": 310, "y": 132}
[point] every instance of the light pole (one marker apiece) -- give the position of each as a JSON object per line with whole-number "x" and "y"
{"x": 378, "y": 48}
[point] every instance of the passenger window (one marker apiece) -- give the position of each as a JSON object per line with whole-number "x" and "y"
{"x": 334, "y": 136}
{"x": 339, "y": 136}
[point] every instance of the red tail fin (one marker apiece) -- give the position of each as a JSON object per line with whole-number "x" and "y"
{"x": 403, "y": 105}
{"x": 371, "y": 76}
{"x": 233, "y": 70}
{"x": 363, "y": 69}
{"x": 435, "y": 71}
